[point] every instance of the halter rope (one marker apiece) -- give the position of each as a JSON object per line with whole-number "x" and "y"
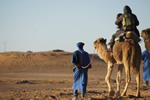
{"x": 90, "y": 61}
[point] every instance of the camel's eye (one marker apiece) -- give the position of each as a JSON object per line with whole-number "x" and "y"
{"x": 101, "y": 40}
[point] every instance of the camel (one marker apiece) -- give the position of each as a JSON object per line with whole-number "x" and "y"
{"x": 146, "y": 36}
{"x": 125, "y": 54}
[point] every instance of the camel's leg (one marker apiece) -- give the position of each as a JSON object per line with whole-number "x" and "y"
{"x": 138, "y": 84}
{"x": 128, "y": 78}
{"x": 118, "y": 79}
{"x": 107, "y": 79}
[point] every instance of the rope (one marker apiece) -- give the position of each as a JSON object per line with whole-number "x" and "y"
{"x": 90, "y": 61}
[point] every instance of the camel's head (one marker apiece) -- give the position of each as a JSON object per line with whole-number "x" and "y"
{"x": 145, "y": 34}
{"x": 99, "y": 42}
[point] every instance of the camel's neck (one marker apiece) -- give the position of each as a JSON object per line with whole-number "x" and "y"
{"x": 103, "y": 54}
{"x": 147, "y": 45}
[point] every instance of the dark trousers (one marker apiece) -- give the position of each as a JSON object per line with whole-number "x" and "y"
{"x": 76, "y": 93}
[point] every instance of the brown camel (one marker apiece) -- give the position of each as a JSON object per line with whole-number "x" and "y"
{"x": 146, "y": 36}
{"x": 127, "y": 54}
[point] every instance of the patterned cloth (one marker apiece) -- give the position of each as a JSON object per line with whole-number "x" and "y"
{"x": 146, "y": 65}
{"x": 80, "y": 75}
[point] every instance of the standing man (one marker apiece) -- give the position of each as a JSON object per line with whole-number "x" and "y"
{"x": 146, "y": 66}
{"x": 80, "y": 59}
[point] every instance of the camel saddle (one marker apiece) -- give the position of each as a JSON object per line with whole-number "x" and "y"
{"x": 126, "y": 36}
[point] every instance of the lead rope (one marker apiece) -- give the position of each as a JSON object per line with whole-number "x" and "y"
{"x": 90, "y": 61}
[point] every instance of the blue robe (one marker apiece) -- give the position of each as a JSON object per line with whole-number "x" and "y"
{"x": 146, "y": 65}
{"x": 80, "y": 75}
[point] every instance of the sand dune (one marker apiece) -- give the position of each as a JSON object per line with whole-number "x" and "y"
{"x": 48, "y": 75}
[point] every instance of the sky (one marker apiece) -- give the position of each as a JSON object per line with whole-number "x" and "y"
{"x": 45, "y": 25}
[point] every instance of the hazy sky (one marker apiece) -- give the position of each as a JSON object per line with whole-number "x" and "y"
{"x": 43, "y": 25}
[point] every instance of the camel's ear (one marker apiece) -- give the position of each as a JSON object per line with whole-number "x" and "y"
{"x": 105, "y": 40}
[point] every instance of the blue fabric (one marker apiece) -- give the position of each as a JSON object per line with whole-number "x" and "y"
{"x": 80, "y": 75}
{"x": 146, "y": 65}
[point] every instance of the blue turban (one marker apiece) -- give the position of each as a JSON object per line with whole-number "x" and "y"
{"x": 80, "y": 44}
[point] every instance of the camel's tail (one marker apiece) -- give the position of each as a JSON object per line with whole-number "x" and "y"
{"x": 135, "y": 60}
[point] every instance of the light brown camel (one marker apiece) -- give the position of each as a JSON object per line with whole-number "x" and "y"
{"x": 127, "y": 54}
{"x": 146, "y": 36}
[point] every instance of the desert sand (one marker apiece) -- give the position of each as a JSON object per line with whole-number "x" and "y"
{"x": 48, "y": 76}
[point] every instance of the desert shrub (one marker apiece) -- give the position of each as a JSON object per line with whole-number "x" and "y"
{"x": 58, "y": 50}
{"x": 29, "y": 52}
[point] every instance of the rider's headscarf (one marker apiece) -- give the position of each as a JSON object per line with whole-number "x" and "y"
{"x": 127, "y": 9}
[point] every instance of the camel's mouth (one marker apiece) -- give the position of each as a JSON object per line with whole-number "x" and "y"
{"x": 95, "y": 44}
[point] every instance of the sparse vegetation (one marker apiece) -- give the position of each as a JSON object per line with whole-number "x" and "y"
{"x": 62, "y": 81}
{"x": 58, "y": 50}
{"x": 29, "y": 52}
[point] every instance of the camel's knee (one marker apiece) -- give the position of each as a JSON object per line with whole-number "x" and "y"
{"x": 128, "y": 81}
{"x": 119, "y": 73}
{"x": 106, "y": 79}
{"x": 138, "y": 76}
{"x": 117, "y": 79}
